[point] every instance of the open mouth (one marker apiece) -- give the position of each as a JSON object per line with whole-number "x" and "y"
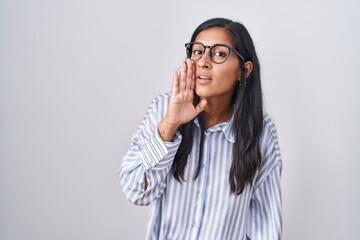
{"x": 204, "y": 78}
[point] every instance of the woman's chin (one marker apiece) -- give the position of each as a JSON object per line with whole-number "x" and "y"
{"x": 202, "y": 93}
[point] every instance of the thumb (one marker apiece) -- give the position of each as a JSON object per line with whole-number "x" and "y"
{"x": 201, "y": 106}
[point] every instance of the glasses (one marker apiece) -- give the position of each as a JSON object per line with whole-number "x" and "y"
{"x": 219, "y": 53}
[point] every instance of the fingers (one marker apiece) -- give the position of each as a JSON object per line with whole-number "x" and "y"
{"x": 175, "y": 86}
{"x": 182, "y": 83}
{"x": 190, "y": 73}
{"x": 187, "y": 76}
{"x": 192, "y": 84}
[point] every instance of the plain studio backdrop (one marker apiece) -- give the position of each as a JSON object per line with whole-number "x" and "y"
{"x": 76, "y": 78}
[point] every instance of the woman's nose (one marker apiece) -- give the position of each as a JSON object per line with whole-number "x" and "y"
{"x": 205, "y": 60}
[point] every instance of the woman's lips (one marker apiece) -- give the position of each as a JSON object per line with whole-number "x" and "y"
{"x": 203, "y": 79}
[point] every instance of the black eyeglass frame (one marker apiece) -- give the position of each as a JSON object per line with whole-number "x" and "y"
{"x": 187, "y": 46}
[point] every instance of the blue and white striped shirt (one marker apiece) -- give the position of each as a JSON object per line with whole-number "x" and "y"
{"x": 202, "y": 208}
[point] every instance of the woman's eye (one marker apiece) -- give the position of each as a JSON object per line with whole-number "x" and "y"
{"x": 197, "y": 52}
{"x": 220, "y": 54}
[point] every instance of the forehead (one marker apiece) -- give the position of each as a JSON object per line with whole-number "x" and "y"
{"x": 213, "y": 36}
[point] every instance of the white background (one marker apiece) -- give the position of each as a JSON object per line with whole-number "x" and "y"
{"x": 76, "y": 78}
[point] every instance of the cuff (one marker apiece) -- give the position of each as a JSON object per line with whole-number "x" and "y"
{"x": 156, "y": 149}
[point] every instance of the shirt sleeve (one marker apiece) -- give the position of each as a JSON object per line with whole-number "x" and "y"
{"x": 149, "y": 156}
{"x": 265, "y": 217}
{"x": 265, "y": 209}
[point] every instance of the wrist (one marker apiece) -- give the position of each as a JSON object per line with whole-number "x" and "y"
{"x": 166, "y": 130}
{"x": 168, "y": 124}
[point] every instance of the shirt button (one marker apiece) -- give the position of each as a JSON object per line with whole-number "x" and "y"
{"x": 200, "y": 195}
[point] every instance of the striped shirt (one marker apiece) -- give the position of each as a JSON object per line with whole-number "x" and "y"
{"x": 202, "y": 208}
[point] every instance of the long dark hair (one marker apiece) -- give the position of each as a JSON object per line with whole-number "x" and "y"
{"x": 247, "y": 119}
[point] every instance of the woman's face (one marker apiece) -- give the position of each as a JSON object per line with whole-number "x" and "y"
{"x": 216, "y": 80}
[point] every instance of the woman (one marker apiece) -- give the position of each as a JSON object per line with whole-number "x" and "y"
{"x": 206, "y": 156}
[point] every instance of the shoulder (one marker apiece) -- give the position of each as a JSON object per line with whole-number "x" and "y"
{"x": 269, "y": 125}
{"x": 161, "y": 99}
{"x": 163, "y": 96}
{"x": 270, "y": 151}
{"x": 159, "y": 104}
{"x": 269, "y": 134}
{"x": 269, "y": 146}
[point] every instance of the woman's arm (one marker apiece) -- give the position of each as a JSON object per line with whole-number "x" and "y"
{"x": 265, "y": 217}
{"x": 265, "y": 220}
{"x": 147, "y": 163}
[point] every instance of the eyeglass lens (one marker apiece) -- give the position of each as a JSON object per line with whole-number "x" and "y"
{"x": 218, "y": 53}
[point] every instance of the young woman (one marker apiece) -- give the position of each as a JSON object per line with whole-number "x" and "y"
{"x": 206, "y": 156}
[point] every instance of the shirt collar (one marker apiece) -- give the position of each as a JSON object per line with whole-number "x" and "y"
{"x": 225, "y": 127}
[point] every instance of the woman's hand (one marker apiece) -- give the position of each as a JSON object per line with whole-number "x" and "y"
{"x": 181, "y": 109}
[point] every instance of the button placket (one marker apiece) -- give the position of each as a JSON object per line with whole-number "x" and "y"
{"x": 201, "y": 193}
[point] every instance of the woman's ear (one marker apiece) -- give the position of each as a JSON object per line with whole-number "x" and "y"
{"x": 249, "y": 67}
